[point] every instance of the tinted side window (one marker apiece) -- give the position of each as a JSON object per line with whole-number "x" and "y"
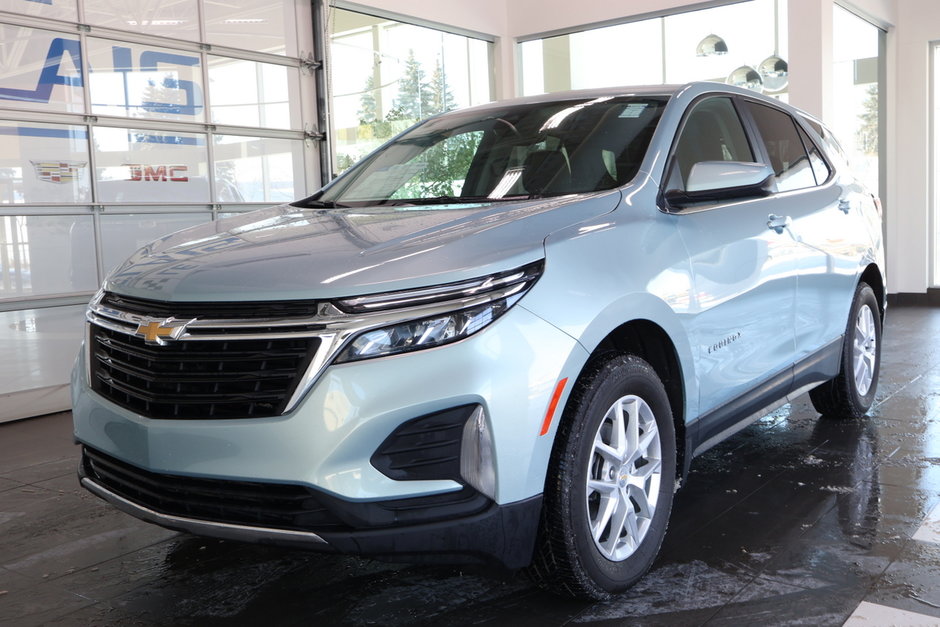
{"x": 816, "y": 161}
{"x": 788, "y": 158}
{"x": 831, "y": 144}
{"x": 712, "y": 132}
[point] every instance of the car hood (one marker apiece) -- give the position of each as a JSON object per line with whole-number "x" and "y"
{"x": 291, "y": 253}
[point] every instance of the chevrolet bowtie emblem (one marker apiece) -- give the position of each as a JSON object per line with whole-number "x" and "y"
{"x": 155, "y": 332}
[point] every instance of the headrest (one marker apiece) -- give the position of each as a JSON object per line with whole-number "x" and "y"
{"x": 544, "y": 168}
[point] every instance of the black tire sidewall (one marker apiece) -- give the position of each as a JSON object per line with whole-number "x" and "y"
{"x": 621, "y": 376}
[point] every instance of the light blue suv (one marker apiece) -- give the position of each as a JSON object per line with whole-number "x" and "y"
{"x": 501, "y": 337}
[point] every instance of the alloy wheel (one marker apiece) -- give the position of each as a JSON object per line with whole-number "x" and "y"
{"x": 864, "y": 350}
{"x": 623, "y": 479}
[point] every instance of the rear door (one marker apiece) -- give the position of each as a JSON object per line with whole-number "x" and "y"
{"x": 823, "y": 216}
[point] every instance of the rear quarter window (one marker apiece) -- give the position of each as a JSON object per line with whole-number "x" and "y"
{"x": 821, "y": 169}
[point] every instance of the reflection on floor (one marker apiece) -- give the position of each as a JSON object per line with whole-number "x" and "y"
{"x": 795, "y": 520}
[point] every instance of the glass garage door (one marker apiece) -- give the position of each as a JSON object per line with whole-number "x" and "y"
{"x": 121, "y": 122}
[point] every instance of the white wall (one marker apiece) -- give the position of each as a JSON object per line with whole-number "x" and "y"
{"x": 527, "y": 17}
{"x": 911, "y": 25}
{"x": 880, "y": 12}
{"x": 810, "y": 56}
{"x": 484, "y": 16}
{"x": 909, "y": 199}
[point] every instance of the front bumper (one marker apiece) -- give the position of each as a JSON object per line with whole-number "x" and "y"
{"x": 502, "y": 535}
{"x": 327, "y": 443}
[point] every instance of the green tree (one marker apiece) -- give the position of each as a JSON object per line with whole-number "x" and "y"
{"x": 344, "y": 162}
{"x": 442, "y": 99}
{"x": 368, "y": 110}
{"x": 444, "y": 167}
{"x": 867, "y": 134}
{"x": 414, "y": 96}
{"x": 371, "y": 124}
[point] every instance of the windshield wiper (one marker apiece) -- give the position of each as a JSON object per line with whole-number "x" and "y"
{"x": 439, "y": 200}
{"x": 324, "y": 204}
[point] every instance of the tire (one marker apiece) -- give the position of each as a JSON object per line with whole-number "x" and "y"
{"x": 851, "y": 393}
{"x": 632, "y": 490}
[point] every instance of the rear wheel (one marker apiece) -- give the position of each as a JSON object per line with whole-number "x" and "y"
{"x": 851, "y": 393}
{"x": 612, "y": 474}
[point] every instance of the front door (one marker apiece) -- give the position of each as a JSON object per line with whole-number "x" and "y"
{"x": 744, "y": 266}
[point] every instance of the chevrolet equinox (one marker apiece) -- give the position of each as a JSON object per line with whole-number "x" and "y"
{"x": 503, "y": 336}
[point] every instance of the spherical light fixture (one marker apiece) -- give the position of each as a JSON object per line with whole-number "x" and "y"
{"x": 711, "y": 46}
{"x": 775, "y": 73}
{"x": 747, "y": 77}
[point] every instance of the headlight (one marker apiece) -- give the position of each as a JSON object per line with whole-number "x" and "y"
{"x": 476, "y": 304}
{"x": 409, "y": 336}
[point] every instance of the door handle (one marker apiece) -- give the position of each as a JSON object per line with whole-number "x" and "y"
{"x": 778, "y": 223}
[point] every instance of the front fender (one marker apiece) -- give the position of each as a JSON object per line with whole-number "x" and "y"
{"x": 647, "y": 307}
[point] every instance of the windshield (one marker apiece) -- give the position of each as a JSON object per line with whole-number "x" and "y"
{"x": 520, "y": 151}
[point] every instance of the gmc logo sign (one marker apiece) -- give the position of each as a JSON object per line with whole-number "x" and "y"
{"x": 175, "y": 173}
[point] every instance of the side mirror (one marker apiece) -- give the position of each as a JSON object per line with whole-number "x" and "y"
{"x": 716, "y": 181}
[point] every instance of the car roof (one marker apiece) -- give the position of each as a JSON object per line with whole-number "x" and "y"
{"x": 579, "y": 94}
{"x": 688, "y": 90}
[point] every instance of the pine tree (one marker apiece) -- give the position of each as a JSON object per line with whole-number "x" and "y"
{"x": 867, "y": 134}
{"x": 368, "y": 112}
{"x": 444, "y": 163}
{"x": 442, "y": 99}
{"x": 414, "y": 96}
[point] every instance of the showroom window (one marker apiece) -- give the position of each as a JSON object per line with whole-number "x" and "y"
{"x": 935, "y": 178}
{"x": 857, "y": 49}
{"x": 386, "y": 75}
{"x": 743, "y": 43}
{"x": 121, "y": 122}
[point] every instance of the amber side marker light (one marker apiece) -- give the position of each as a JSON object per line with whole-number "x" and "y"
{"x": 559, "y": 388}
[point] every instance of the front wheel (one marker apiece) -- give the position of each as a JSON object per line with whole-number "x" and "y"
{"x": 851, "y": 393}
{"x": 611, "y": 481}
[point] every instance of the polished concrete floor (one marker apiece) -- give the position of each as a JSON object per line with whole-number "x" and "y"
{"x": 795, "y": 520}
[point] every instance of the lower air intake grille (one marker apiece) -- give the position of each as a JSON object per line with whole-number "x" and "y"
{"x": 198, "y": 379}
{"x": 425, "y": 448}
{"x": 269, "y": 505}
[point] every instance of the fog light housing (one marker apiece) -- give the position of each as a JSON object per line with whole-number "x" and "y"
{"x": 477, "y": 459}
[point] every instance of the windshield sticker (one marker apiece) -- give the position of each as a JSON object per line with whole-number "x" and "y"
{"x": 633, "y": 110}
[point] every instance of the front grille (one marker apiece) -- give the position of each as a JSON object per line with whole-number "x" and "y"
{"x": 198, "y": 379}
{"x": 272, "y": 505}
{"x": 213, "y": 310}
